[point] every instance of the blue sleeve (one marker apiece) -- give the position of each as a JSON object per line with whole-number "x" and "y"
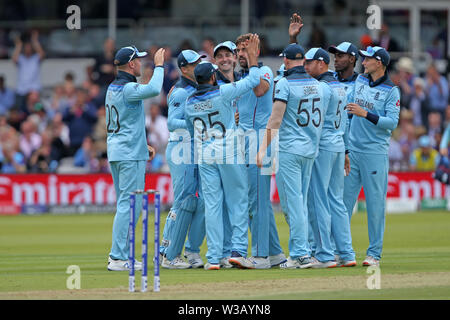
{"x": 282, "y": 91}
{"x": 176, "y": 102}
{"x": 230, "y": 91}
{"x": 327, "y": 95}
{"x": 445, "y": 138}
{"x": 392, "y": 108}
{"x": 134, "y": 91}
{"x": 266, "y": 74}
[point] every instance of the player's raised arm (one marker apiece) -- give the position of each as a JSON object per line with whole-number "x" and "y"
{"x": 231, "y": 91}
{"x": 136, "y": 91}
{"x": 295, "y": 26}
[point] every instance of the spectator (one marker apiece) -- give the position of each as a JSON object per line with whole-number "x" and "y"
{"x": 208, "y": 45}
{"x": 424, "y": 158}
{"x": 170, "y": 71}
{"x": 406, "y": 134}
{"x": 86, "y": 155}
{"x": 7, "y": 97}
{"x": 405, "y": 68}
{"x": 317, "y": 38}
{"x": 32, "y": 99}
{"x": 386, "y": 41}
{"x": 80, "y": 118}
{"x": 30, "y": 140}
{"x": 103, "y": 71}
{"x": 447, "y": 117}
{"x": 39, "y": 116}
{"x": 28, "y": 66}
{"x": 45, "y": 159}
{"x": 365, "y": 41}
{"x": 418, "y": 102}
{"x": 186, "y": 44}
{"x": 395, "y": 154}
{"x": 12, "y": 161}
{"x": 99, "y": 134}
{"x": 60, "y": 131}
{"x": 437, "y": 90}
{"x": 158, "y": 133}
{"x": 434, "y": 128}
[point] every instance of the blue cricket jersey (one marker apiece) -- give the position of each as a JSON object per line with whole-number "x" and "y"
{"x": 254, "y": 112}
{"x": 176, "y": 100}
{"x": 382, "y": 100}
{"x": 125, "y": 117}
{"x": 332, "y": 137}
{"x": 210, "y": 120}
{"x": 306, "y": 101}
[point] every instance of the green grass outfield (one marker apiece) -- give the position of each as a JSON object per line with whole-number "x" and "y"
{"x": 35, "y": 252}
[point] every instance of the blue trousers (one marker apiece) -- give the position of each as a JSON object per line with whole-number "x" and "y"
{"x": 326, "y": 209}
{"x": 128, "y": 176}
{"x": 369, "y": 171}
{"x": 293, "y": 179}
{"x": 225, "y": 183}
{"x": 186, "y": 217}
{"x": 265, "y": 240}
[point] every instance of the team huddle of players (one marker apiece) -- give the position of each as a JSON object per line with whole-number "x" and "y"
{"x": 325, "y": 134}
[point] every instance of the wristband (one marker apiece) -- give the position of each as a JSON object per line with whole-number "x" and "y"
{"x": 372, "y": 118}
{"x": 161, "y": 66}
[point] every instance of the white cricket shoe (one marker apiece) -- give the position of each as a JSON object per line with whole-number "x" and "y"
{"x": 194, "y": 259}
{"x": 260, "y": 263}
{"x": 211, "y": 266}
{"x": 224, "y": 263}
{"x": 316, "y": 264}
{"x": 345, "y": 263}
{"x": 278, "y": 259}
{"x": 298, "y": 263}
{"x": 176, "y": 263}
{"x": 123, "y": 265}
{"x": 370, "y": 261}
{"x": 237, "y": 260}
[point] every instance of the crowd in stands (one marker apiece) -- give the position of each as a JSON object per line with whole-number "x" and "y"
{"x": 65, "y": 131}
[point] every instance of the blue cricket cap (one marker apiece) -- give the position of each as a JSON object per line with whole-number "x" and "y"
{"x": 280, "y": 73}
{"x": 344, "y": 47}
{"x": 318, "y": 54}
{"x": 187, "y": 57}
{"x": 203, "y": 71}
{"x": 293, "y": 52}
{"x": 424, "y": 141}
{"x": 378, "y": 53}
{"x": 126, "y": 54}
{"x": 227, "y": 45}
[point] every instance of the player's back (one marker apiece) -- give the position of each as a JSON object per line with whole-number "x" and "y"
{"x": 176, "y": 100}
{"x": 125, "y": 122}
{"x": 335, "y": 121}
{"x": 210, "y": 120}
{"x": 305, "y": 109}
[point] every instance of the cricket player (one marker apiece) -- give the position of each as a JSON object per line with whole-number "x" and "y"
{"x": 298, "y": 112}
{"x": 375, "y": 106}
{"x": 225, "y": 57}
{"x": 126, "y": 142}
{"x": 254, "y": 109}
{"x": 326, "y": 209}
{"x": 210, "y": 119}
{"x": 187, "y": 212}
{"x": 345, "y": 57}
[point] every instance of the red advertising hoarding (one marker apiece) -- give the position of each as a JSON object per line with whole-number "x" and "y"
{"x": 61, "y": 189}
